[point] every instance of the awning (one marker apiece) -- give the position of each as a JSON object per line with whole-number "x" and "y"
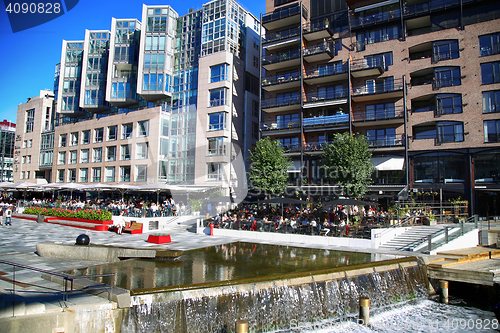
{"x": 295, "y": 167}
{"x": 388, "y": 163}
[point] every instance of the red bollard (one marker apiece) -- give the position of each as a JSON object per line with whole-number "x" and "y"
{"x": 211, "y": 229}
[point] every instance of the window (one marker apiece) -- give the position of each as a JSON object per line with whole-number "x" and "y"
{"x": 142, "y": 128}
{"x": 288, "y": 120}
{"x": 96, "y": 175}
{"x": 448, "y": 104}
{"x": 448, "y": 131}
{"x": 62, "y": 140}
{"x": 287, "y": 98}
{"x": 219, "y": 73}
{"x": 492, "y": 131}
{"x": 85, "y": 137}
{"x": 383, "y": 60}
{"x": 60, "y": 176}
{"x": 61, "y": 158}
{"x": 154, "y": 81}
{"x": 73, "y": 139}
{"x": 376, "y": 36}
{"x": 84, "y": 175}
{"x": 490, "y": 72}
{"x": 255, "y": 62}
{"x": 23, "y": 160}
{"x": 71, "y": 175}
{"x": 112, "y": 133}
{"x": 255, "y": 130}
{"x": 141, "y": 173}
{"x": 491, "y": 101}
{"x": 218, "y": 97}
{"x": 73, "y": 157}
{"x": 110, "y": 153}
{"x": 127, "y": 131}
{"x": 489, "y": 44}
{"x": 331, "y": 68}
{"x": 25, "y": 143}
{"x": 444, "y": 50}
{"x": 30, "y": 143}
{"x": 84, "y": 156}
{"x": 97, "y": 155}
{"x": 126, "y": 151}
{"x": 23, "y": 175}
{"x": 380, "y": 111}
{"x": 109, "y": 174}
{"x": 30, "y": 120}
{"x": 330, "y": 92}
{"x": 216, "y": 146}
{"x": 216, "y": 121}
{"x": 447, "y": 77}
{"x": 382, "y": 137}
{"x": 98, "y": 135}
{"x": 125, "y": 173}
{"x": 215, "y": 171}
{"x": 141, "y": 150}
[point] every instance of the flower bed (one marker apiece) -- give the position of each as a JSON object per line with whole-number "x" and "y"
{"x": 84, "y": 214}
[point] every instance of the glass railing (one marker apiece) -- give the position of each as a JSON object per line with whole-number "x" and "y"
{"x": 378, "y": 88}
{"x": 325, "y": 71}
{"x": 291, "y": 148}
{"x": 326, "y": 96}
{"x": 423, "y": 8}
{"x": 281, "y": 35}
{"x": 326, "y": 120}
{"x": 486, "y": 51}
{"x": 218, "y": 151}
{"x": 271, "y": 59}
{"x": 375, "y": 18}
{"x": 280, "y": 125}
{"x": 218, "y": 101}
{"x": 446, "y": 83}
{"x": 277, "y": 102}
{"x": 371, "y": 115}
{"x": 284, "y": 13}
{"x": 316, "y": 26}
{"x": 445, "y": 56}
{"x": 321, "y": 48}
{"x": 284, "y": 78}
{"x": 314, "y": 146}
{"x": 360, "y": 64}
{"x": 385, "y": 141}
{"x": 361, "y": 45}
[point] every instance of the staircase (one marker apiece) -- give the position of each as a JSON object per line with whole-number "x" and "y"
{"x": 413, "y": 238}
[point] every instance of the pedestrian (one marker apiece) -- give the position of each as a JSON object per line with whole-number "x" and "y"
{"x": 8, "y": 216}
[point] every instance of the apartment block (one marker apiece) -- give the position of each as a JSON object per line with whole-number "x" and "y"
{"x": 419, "y": 79}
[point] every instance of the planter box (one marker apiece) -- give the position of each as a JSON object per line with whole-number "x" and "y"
{"x": 159, "y": 239}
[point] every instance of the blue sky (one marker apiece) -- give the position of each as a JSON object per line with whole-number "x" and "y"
{"x": 28, "y": 58}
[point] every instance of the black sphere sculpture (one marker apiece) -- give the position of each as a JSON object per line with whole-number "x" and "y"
{"x": 82, "y": 240}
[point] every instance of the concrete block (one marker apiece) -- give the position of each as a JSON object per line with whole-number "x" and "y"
{"x": 34, "y": 308}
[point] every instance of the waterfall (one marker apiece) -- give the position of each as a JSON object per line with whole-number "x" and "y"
{"x": 276, "y": 304}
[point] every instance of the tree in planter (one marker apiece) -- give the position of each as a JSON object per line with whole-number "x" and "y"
{"x": 269, "y": 167}
{"x": 347, "y": 163}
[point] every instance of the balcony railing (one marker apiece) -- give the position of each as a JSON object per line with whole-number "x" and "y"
{"x": 284, "y": 13}
{"x": 316, "y": 26}
{"x": 373, "y": 115}
{"x": 281, "y": 35}
{"x": 359, "y": 64}
{"x": 361, "y": 45}
{"x": 326, "y": 96}
{"x": 436, "y": 84}
{"x": 289, "y": 77}
{"x": 314, "y": 146}
{"x": 386, "y": 141}
{"x": 378, "y": 88}
{"x": 330, "y": 70}
{"x": 326, "y": 47}
{"x": 271, "y": 59}
{"x": 218, "y": 151}
{"x": 277, "y": 102}
{"x": 326, "y": 120}
{"x": 375, "y": 18}
{"x": 445, "y": 56}
{"x": 218, "y": 101}
{"x": 427, "y": 7}
{"x": 292, "y": 148}
{"x": 280, "y": 125}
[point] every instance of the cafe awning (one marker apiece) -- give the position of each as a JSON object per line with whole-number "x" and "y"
{"x": 388, "y": 163}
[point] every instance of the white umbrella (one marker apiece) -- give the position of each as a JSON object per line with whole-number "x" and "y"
{"x": 19, "y": 186}
{"x": 71, "y": 187}
{"x": 122, "y": 188}
{"x": 158, "y": 187}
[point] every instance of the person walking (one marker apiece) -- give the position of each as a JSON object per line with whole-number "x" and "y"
{"x": 8, "y": 216}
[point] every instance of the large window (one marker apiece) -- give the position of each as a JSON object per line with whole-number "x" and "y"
{"x": 30, "y": 120}
{"x": 380, "y": 111}
{"x": 155, "y": 43}
{"x": 126, "y": 151}
{"x": 489, "y": 44}
{"x": 84, "y": 156}
{"x": 444, "y": 50}
{"x": 112, "y": 133}
{"x": 331, "y": 68}
{"x": 85, "y": 137}
{"x": 61, "y": 158}
{"x": 216, "y": 146}
{"x": 71, "y": 175}
{"x": 141, "y": 150}
{"x": 97, "y": 155}
{"x": 218, "y": 97}
{"x": 153, "y": 82}
{"x": 125, "y": 173}
{"x": 73, "y": 139}
{"x": 84, "y": 175}
{"x": 487, "y": 167}
{"x": 60, "y": 176}
{"x": 447, "y": 77}
{"x": 63, "y": 138}
{"x": 376, "y": 36}
{"x": 288, "y": 120}
{"x": 96, "y": 175}
{"x": 448, "y": 104}
{"x": 109, "y": 174}
{"x": 141, "y": 173}
{"x": 127, "y": 131}
{"x": 110, "y": 153}
{"x": 439, "y": 168}
{"x": 491, "y": 101}
{"x": 382, "y": 137}
{"x": 216, "y": 121}
{"x": 73, "y": 157}
{"x": 215, "y": 171}
{"x": 383, "y": 60}
{"x": 449, "y": 131}
{"x": 490, "y": 72}
{"x": 99, "y": 135}
{"x": 219, "y": 73}
{"x": 142, "y": 128}
{"x": 492, "y": 131}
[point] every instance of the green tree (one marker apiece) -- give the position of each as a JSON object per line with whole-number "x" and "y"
{"x": 269, "y": 167}
{"x": 347, "y": 163}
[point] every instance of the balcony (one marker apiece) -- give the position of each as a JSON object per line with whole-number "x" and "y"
{"x": 292, "y": 148}
{"x": 280, "y": 82}
{"x": 218, "y": 151}
{"x": 283, "y": 17}
{"x": 321, "y": 99}
{"x": 378, "y": 117}
{"x": 428, "y": 7}
{"x": 280, "y": 104}
{"x": 335, "y": 72}
{"x": 318, "y": 30}
{"x": 284, "y": 127}
{"x": 364, "y": 68}
{"x": 375, "y": 91}
{"x": 320, "y": 52}
{"x": 283, "y": 38}
{"x": 386, "y": 141}
{"x": 281, "y": 60}
{"x": 324, "y": 121}
{"x": 314, "y": 147}
{"x": 358, "y": 21}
